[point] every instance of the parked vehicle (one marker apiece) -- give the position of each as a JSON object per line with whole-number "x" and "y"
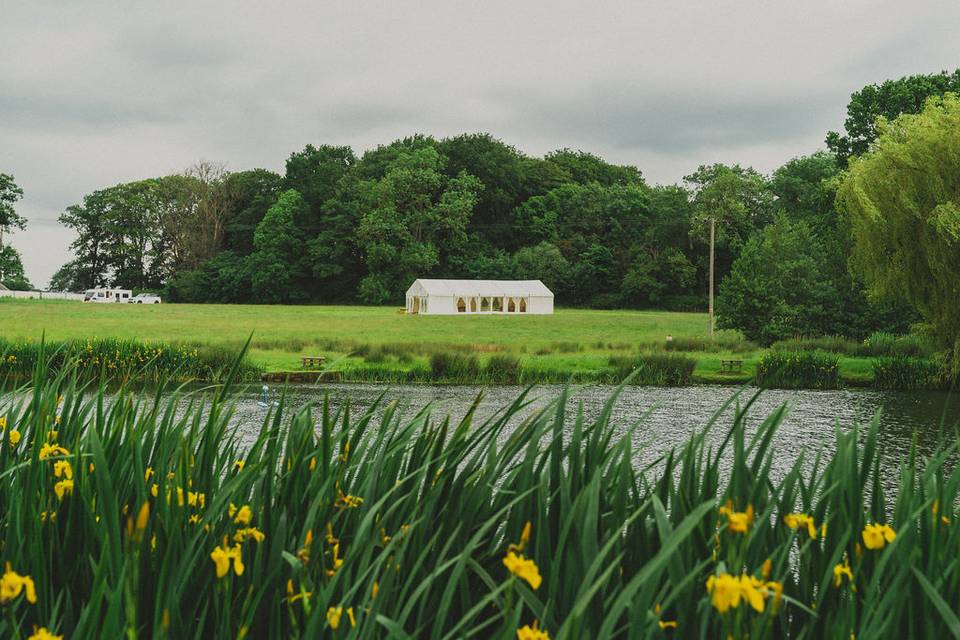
{"x": 145, "y": 298}
{"x": 104, "y": 295}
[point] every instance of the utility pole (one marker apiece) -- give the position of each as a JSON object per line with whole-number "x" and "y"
{"x": 713, "y": 222}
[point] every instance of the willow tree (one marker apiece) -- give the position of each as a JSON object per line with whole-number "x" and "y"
{"x": 903, "y": 199}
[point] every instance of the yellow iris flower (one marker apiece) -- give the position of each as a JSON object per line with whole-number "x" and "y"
{"x": 798, "y": 520}
{"x": 534, "y": 632}
{"x": 841, "y": 570}
{"x": 63, "y": 488}
{"x": 737, "y": 521}
{"x": 876, "y": 536}
{"x": 523, "y": 568}
{"x": 727, "y": 590}
{"x": 12, "y": 584}
{"x": 222, "y": 556}
{"x": 242, "y": 516}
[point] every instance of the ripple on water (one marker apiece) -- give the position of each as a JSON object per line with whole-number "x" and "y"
{"x": 672, "y": 414}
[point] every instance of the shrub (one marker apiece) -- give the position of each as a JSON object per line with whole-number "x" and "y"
{"x": 661, "y": 369}
{"x": 723, "y": 341}
{"x": 882, "y": 343}
{"x": 502, "y": 368}
{"x": 907, "y": 373}
{"x": 454, "y": 367}
{"x": 798, "y": 370}
{"x": 832, "y": 344}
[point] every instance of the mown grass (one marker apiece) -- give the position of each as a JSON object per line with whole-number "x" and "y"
{"x": 120, "y": 510}
{"x": 377, "y": 344}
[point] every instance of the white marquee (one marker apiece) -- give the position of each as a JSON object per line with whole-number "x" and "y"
{"x": 453, "y": 297}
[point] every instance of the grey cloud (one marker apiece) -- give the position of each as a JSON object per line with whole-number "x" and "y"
{"x": 41, "y": 110}
{"x": 674, "y": 122}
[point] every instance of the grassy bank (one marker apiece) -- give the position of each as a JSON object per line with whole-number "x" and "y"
{"x": 380, "y": 344}
{"x": 143, "y": 517}
{"x": 116, "y": 361}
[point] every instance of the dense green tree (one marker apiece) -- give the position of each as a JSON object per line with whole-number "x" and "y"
{"x": 543, "y": 262}
{"x": 376, "y": 162}
{"x": 541, "y": 176}
{"x": 593, "y": 277}
{"x": 739, "y": 201}
{"x": 89, "y": 221}
{"x": 584, "y": 168}
{"x": 68, "y": 277}
{"x": 903, "y": 198}
{"x": 315, "y": 173}
{"x": 10, "y": 193}
{"x": 224, "y": 278}
{"x": 776, "y": 288}
{"x": 887, "y": 100}
{"x": 483, "y": 263}
{"x": 411, "y": 217}
{"x": 278, "y": 244}
{"x": 500, "y": 168}
{"x": 254, "y": 191}
{"x": 658, "y": 279}
{"x": 12, "y": 275}
{"x": 804, "y": 190}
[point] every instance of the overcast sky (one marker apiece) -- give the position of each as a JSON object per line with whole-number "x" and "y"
{"x": 93, "y": 93}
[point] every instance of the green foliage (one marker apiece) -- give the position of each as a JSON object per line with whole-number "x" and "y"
{"x": 278, "y": 245}
{"x": 798, "y": 370}
{"x": 888, "y": 101}
{"x": 619, "y": 549}
{"x": 661, "y": 369}
{"x": 10, "y": 193}
{"x": 881, "y": 343}
{"x": 907, "y": 373}
{"x": 11, "y": 270}
{"x": 224, "y": 278}
{"x": 776, "y": 288}
{"x": 543, "y": 262}
{"x": 904, "y": 202}
{"x": 831, "y": 344}
{"x": 412, "y": 216}
{"x": 502, "y": 368}
{"x": 116, "y": 360}
{"x": 454, "y": 366}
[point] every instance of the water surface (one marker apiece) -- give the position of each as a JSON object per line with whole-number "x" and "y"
{"x": 668, "y": 415}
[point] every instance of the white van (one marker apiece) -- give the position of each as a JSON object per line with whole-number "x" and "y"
{"x": 107, "y": 295}
{"x": 145, "y": 298}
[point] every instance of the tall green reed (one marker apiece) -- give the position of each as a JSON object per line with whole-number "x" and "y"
{"x": 404, "y": 522}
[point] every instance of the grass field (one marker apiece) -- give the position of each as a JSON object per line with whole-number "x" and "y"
{"x": 369, "y": 342}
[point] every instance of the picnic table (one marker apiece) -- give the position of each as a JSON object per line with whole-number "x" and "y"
{"x": 730, "y": 366}
{"x": 309, "y": 362}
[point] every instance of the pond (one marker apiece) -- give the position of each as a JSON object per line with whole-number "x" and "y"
{"x": 669, "y": 415}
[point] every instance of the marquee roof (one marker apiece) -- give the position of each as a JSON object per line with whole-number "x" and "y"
{"x": 481, "y": 288}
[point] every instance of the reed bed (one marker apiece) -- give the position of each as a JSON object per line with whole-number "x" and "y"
{"x": 909, "y": 373}
{"x": 117, "y": 360}
{"x": 798, "y": 370}
{"x": 660, "y": 369}
{"x": 140, "y": 515}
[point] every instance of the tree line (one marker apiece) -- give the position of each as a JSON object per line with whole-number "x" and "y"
{"x": 340, "y": 227}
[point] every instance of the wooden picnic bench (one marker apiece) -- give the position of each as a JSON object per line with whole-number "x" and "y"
{"x": 310, "y": 362}
{"x": 730, "y": 366}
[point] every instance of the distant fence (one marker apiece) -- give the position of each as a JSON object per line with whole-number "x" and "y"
{"x": 41, "y": 295}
